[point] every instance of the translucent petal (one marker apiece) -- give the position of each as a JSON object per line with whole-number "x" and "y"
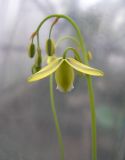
{"x": 51, "y": 58}
{"x": 47, "y": 70}
{"x": 64, "y": 77}
{"x": 84, "y": 68}
{"x": 62, "y": 90}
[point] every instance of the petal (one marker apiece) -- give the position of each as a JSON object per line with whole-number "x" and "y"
{"x": 51, "y": 58}
{"x": 62, "y": 90}
{"x": 46, "y": 71}
{"x": 64, "y": 77}
{"x": 84, "y": 68}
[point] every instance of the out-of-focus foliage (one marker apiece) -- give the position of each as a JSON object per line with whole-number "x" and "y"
{"x": 27, "y": 131}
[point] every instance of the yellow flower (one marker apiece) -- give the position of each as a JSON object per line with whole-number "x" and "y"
{"x": 64, "y": 71}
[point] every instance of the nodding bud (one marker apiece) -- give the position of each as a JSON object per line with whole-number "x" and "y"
{"x": 31, "y": 50}
{"x": 89, "y": 55}
{"x": 50, "y": 47}
{"x": 35, "y": 68}
{"x": 38, "y": 58}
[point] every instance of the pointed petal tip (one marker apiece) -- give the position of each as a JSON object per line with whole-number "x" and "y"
{"x": 101, "y": 73}
{"x": 84, "y": 68}
{"x": 98, "y": 73}
{"x": 29, "y": 79}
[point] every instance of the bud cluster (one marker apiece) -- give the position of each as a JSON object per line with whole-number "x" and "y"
{"x": 33, "y": 52}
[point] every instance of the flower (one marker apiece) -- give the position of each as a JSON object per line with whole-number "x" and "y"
{"x": 64, "y": 71}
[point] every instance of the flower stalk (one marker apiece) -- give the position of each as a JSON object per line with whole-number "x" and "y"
{"x": 58, "y": 130}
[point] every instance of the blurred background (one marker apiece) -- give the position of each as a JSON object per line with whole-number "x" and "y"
{"x": 27, "y": 130}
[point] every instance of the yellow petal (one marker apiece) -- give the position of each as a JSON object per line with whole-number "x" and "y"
{"x": 46, "y": 71}
{"x": 51, "y": 58}
{"x": 84, "y": 68}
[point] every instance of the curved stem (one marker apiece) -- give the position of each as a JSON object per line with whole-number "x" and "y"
{"x": 38, "y": 44}
{"x": 74, "y": 51}
{"x": 89, "y": 81}
{"x": 50, "y": 31}
{"x": 56, "y": 119}
{"x": 82, "y": 44}
{"x": 66, "y": 38}
{"x": 54, "y": 22}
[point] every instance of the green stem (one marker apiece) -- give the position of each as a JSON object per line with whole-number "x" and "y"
{"x": 50, "y": 32}
{"x": 93, "y": 117}
{"x": 54, "y": 22}
{"x": 58, "y": 130}
{"x": 74, "y": 51}
{"x": 66, "y": 38}
{"x": 38, "y": 44}
{"x": 89, "y": 81}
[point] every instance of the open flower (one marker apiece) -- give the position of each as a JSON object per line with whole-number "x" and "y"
{"x": 64, "y": 72}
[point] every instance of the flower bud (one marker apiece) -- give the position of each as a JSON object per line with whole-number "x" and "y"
{"x": 38, "y": 58}
{"x": 64, "y": 77}
{"x": 89, "y": 55}
{"x": 35, "y": 68}
{"x": 50, "y": 47}
{"x": 31, "y": 50}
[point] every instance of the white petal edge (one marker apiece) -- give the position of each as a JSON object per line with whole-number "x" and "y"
{"x": 61, "y": 90}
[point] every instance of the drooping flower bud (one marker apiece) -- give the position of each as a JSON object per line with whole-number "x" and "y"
{"x": 50, "y": 47}
{"x": 35, "y": 68}
{"x": 64, "y": 77}
{"x": 38, "y": 58}
{"x": 31, "y": 50}
{"x": 89, "y": 56}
